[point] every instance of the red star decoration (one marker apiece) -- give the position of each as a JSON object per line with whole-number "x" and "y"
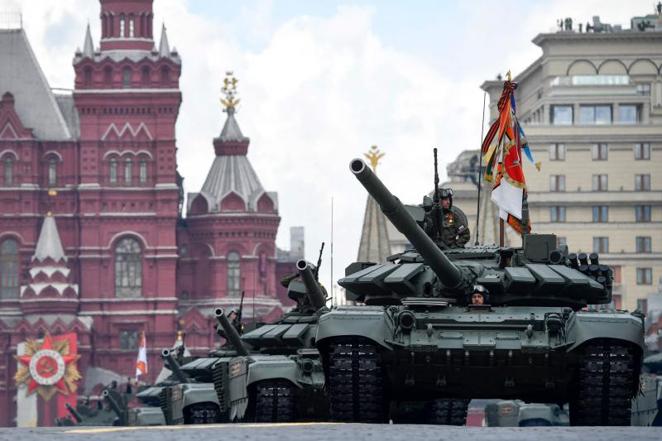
{"x": 60, "y": 386}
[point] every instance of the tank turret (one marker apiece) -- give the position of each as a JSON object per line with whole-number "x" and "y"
{"x": 174, "y": 366}
{"x": 448, "y": 273}
{"x": 230, "y": 332}
{"x": 313, "y": 288}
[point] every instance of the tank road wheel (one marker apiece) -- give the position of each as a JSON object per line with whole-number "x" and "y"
{"x": 203, "y": 413}
{"x": 449, "y": 412}
{"x": 274, "y": 402}
{"x": 604, "y": 387}
{"x": 356, "y": 383}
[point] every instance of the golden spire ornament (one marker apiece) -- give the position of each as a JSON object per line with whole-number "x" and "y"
{"x": 374, "y": 155}
{"x": 229, "y": 90}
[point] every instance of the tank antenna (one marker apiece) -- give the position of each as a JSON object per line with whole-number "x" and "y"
{"x": 480, "y": 170}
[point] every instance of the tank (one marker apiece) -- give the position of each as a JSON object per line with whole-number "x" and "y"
{"x": 278, "y": 376}
{"x": 417, "y": 340}
{"x": 647, "y": 405}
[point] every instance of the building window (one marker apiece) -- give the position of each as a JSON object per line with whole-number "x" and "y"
{"x": 561, "y": 115}
{"x": 113, "y": 171}
{"x": 165, "y": 74}
{"x": 132, "y": 27}
{"x": 644, "y": 89}
{"x": 87, "y": 76}
{"x": 600, "y": 152}
{"x": 557, "y": 152}
{"x": 600, "y": 244}
{"x": 129, "y": 340}
{"x": 128, "y": 268}
{"x": 642, "y": 213}
{"x": 629, "y": 114}
{"x": 557, "y": 214}
{"x": 644, "y": 276}
{"x": 128, "y": 171}
{"x": 642, "y": 151}
{"x": 600, "y": 213}
{"x": 126, "y": 77}
{"x": 557, "y": 183}
{"x": 122, "y": 26}
{"x": 108, "y": 75}
{"x": 598, "y": 114}
{"x": 52, "y": 172}
{"x": 234, "y": 274}
{"x": 643, "y": 244}
{"x": 9, "y": 171}
{"x": 9, "y": 269}
{"x": 145, "y": 74}
{"x": 642, "y": 182}
{"x": 599, "y": 182}
{"x": 143, "y": 171}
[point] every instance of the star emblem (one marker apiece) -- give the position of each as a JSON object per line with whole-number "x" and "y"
{"x": 48, "y": 368}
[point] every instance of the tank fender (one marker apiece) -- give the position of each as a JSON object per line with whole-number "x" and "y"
{"x": 280, "y": 369}
{"x": 369, "y": 322}
{"x": 196, "y": 393}
{"x": 585, "y": 326}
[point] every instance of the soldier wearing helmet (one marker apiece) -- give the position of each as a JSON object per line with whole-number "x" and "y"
{"x": 448, "y": 226}
{"x": 479, "y": 296}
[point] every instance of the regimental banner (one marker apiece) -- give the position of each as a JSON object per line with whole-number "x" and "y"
{"x": 46, "y": 368}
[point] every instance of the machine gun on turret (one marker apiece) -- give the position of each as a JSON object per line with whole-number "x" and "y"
{"x": 230, "y": 333}
{"x": 319, "y": 263}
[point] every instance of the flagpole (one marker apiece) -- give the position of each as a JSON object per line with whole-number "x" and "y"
{"x": 480, "y": 170}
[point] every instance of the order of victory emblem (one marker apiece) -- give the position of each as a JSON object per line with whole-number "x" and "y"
{"x": 48, "y": 368}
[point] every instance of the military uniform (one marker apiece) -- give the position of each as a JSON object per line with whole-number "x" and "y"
{"x": 454, "y": 230}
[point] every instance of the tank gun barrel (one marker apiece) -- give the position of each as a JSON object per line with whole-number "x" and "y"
{"x": 174, "y": 366}
{"x": 313, "y": 288}
{"x": 74, "y": 413}
{"x": 113, "y": 404}
{"x": 230, "y": 332}
{"x": 449, "y": 274}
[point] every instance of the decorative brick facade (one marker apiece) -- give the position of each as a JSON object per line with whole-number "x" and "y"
{"x": 103, "y": 162}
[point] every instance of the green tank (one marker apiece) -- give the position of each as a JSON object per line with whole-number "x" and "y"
{"x": 647, "y": 405}
{"x": 418, "y": 340}
{"x": 278, "y": 375}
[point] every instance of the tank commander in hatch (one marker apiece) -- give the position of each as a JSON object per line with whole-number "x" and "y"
{"x": 479, "y": 295}
{"x": 451, "y": 229}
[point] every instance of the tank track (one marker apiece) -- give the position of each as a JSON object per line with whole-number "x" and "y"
{"x": 356, "y": 383}
{"x": 604, "y": 387}
{"x": 449, "y": 412}
{"x": 204, "y": 413}
{"x": 274, "y": 402}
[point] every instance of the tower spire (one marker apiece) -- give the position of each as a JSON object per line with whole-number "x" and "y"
{"x": 88, "y": 46}
{"x": 164, "y": 46}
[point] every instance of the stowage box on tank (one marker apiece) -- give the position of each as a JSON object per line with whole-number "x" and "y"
{"x": 418, "y": 340}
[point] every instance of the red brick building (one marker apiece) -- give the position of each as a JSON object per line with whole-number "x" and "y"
{"x": 92, "y": 236}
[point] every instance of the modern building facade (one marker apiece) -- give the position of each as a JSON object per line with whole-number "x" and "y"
{"x": 591, "y": 107}
{"x": 93, "y": 239}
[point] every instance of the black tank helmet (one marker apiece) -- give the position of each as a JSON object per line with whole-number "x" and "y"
{"x": 446, "y": 193}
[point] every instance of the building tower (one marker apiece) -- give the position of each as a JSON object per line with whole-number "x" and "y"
{"x": 127, "y": 98}
{"x": 232, "y": 224}
{"x": 374, "y": 245}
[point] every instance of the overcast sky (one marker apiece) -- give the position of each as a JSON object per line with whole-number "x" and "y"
{"x": 321, "y": 81}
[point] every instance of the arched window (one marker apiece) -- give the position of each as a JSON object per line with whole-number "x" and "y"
{"x": 87, "y": 76}
{"x": 108, "y": 75}
{"x": 143, "y": 171}
{"x": 126, "y": 77}
{"x": 52, "y": 172}
{"x": 145, "y": 74}
{"x": 132, "y": 26}
{"x": 128, "y": 171}
{"x": 122, "y": 26}
{"x": 113, "y": 171}
{"x": 128, "y": 268}
{"x": 9, "y": 269}
{"x": 9, "y": 171}
{"x": 234, "y": 274}
{"x": 165, "y": 73}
